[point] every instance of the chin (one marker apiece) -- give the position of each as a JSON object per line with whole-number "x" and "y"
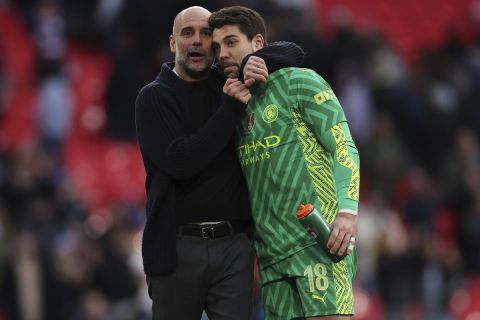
{"x": 232, "y": 74}
{"x": 199, "y": 66}
{"x": 198, "y": 73}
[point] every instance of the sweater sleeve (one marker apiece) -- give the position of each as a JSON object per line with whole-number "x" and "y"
{"x": 162, "y": 138}
{"x": 277, "y": 55}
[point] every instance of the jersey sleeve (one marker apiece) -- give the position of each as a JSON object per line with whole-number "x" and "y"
{"x": 315, "y": 100}
{"x": 323, "y": 114}
{"x": 346, "y": 165}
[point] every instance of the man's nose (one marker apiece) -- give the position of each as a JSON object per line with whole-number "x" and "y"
{"x": 223, "y": 53}
{"x": 197, "y": 38}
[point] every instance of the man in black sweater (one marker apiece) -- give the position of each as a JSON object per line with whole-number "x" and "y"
{"x": 196, "y": 250}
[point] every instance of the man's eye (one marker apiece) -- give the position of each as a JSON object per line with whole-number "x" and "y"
{"x": 187, "y": 33}
{"x": 231, "y": 43}
{"x": 207, "y": 33}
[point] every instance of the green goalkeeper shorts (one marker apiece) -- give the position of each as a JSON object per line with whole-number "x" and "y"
{"x": 308, "y": 284}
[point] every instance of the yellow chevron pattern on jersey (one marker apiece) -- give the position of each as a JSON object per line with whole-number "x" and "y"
{"x": 344, "y": 292}
{"x": 345, "y": 160}
{"x": 319, "y": 165}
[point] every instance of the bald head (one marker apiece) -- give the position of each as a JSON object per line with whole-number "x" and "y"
{"x": 191, "y": 42}
{"x": 186, "y": 14}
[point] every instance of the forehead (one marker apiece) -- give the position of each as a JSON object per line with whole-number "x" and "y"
{"x": 193, "y": 19}
{"x": 227, "y": 31}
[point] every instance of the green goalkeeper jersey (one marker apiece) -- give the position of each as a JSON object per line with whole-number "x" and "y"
{"x": 294, "y": 147}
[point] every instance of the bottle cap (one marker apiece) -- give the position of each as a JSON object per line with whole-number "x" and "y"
{"x": 304, "y": 210}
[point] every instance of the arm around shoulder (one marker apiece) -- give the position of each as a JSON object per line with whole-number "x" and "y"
{"x": 163, "y": 140}
{"x": 277, "y": 55}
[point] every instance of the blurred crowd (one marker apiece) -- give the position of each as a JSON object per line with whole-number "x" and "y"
{"x": 416, "y": 124}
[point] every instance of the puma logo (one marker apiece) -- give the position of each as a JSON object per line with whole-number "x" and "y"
{"x": 317, "y": 297}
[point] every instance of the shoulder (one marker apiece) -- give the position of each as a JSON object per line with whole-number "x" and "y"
{"x": 298, "y": 80}
{"x": 156, "y": 93}
{"x": 305, "y": 75}
{"x": 295, "y": 75}
{"x": 304, "y": 80}
{"x": 147, "y": 92}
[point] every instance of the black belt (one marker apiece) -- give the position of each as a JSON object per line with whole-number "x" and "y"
{"x": 213, "y": 230}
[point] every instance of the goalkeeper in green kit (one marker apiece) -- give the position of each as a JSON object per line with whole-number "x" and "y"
{"x": 294, "y": 147}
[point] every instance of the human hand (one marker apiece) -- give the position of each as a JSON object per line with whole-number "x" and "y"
{"x": 236, "y": 89}
{"x": 255, "y": 70}
{"x": 344, "y": 231}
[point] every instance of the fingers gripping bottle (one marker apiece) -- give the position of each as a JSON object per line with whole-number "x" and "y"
{"x": 317, "y": 227}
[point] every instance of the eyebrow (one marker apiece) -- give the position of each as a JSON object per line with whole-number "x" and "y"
{"x": 226, "y": 38}
{"x": 192, "y": 28}
{"x": 230, "y": 36}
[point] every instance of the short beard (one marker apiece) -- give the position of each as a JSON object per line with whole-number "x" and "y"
{"x": 195, "y": 74}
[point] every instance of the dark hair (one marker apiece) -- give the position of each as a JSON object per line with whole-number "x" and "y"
{"x": 248, "y": 21}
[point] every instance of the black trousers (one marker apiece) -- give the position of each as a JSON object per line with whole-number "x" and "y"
{"x": 215, "y": 275}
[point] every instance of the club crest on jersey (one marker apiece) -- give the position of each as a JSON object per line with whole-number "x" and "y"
{"x": 250, "y": 121}
{"x": 270, "y": 113}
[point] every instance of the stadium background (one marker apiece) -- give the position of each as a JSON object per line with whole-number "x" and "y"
{"x": 71, "y": 178}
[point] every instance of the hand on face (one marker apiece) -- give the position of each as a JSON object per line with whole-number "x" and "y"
{"x": 255, "y": 71}
{"x": 231, "y": 46}
{"x": 236, "y": 89}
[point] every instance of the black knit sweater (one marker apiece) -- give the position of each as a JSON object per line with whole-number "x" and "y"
{"x": 185, "y": 132}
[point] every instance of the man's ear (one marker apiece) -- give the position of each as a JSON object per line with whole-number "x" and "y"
{"x": 173, "y": 48}
{"x": 258, "y": 42}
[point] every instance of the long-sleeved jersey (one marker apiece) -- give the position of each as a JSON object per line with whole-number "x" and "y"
{"x": 294, "y": 147}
